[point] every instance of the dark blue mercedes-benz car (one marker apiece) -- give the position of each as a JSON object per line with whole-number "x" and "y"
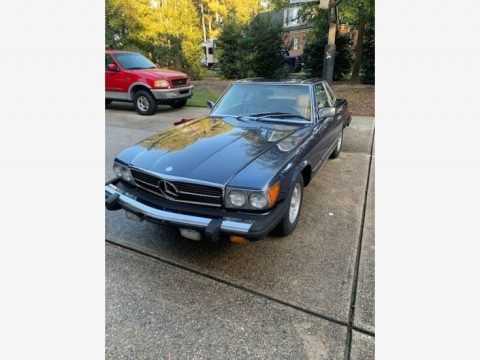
{"x": 239, "y": 172}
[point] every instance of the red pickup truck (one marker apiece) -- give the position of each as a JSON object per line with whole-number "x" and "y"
{"x": 130, "y": 76}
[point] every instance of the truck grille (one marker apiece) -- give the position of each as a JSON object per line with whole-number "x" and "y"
{"x": 178, "y": 190}
{"x": 179, "y": 82}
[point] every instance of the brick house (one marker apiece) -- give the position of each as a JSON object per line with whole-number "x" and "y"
{"x": 296, "y": 31}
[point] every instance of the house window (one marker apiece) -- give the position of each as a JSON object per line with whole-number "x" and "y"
{"x": 290, "y": 17}
{"x": 296, "y": 43}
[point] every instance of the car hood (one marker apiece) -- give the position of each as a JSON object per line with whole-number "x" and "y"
{"x": 160, "y": 74}
{"x": 212, "y": 149}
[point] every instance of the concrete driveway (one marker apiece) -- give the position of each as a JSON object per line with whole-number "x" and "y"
{"x": 307, "y": 296}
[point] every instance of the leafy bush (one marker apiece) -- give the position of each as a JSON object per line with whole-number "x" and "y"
{"x": 264, "y": 42}
{"x": 314, "y": 50}
{"x": 367, "y": 75}
{"x": 230, "y": 52}
{"x": 256, "y": 50}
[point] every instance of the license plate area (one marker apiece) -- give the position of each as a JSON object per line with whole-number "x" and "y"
{"x": 183, "y": 92}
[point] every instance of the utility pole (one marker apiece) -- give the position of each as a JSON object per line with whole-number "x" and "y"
{"x": 329, "y": 54}
{"x": 204, "y": 34}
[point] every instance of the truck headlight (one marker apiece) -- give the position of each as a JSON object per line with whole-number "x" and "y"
{"x": 161, "y": 84}
{"x": 123, "y": 172}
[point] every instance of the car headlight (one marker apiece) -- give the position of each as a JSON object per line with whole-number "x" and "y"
{"x": 252, "y": 199}
{"x": 161, "y": 84}
{"x": 257, "y": 201}
{"x": 236, "y": 198}
{"x": 123, "y": 172}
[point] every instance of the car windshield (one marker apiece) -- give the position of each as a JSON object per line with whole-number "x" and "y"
{"x": 132, "y": 61}
{"x": 280, "y": 102}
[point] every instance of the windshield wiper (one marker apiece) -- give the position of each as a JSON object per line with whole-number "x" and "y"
{"x": 137, "y": 68}
{"x": 260, "y": 115}
{"x": 281, "y": 115}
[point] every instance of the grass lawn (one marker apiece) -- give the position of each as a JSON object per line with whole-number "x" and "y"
{"x": 199, "y": 98}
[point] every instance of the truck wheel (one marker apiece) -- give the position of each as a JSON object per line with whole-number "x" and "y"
{"x": 144, "y": 102}
{"x": 108, "y": 101}
{"x": 178, "y": 104}
{"x": 336, "y": 153}
{"x": 290, "y": 220}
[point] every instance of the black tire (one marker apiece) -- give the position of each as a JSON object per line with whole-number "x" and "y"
{"x": 179, "y": 103}
{"x": 144, "y": 102}
{"x": 285, "y": 226}
{"x": 108, "y": 101}
{"x": 336, "y": 153}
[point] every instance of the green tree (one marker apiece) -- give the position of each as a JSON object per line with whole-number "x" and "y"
{"x": 216, "y": 12}
{"x": 270, "y": 5}
{"x": 314, "y": 52}
{"x": 367, "y": 75}
{"x": 230, "y": 51}
{"x": 358, "y": 13}
{"x": 125, "y": 22}
{"x": 256, "y": 50}
{"x": 163, "y": 30}
{"x": 265, "y": 44}
{"x": 361, "y": 14}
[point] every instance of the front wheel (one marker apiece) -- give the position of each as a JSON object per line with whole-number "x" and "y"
{"x": 144, "y": 102}
{"x": 290, "y": 220}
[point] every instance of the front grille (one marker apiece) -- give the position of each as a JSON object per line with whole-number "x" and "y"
{"x": 187, "y": 192}
{"x": 179, "y": 82}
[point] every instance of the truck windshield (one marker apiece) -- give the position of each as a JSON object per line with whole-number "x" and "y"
{"x": 266, "y": 101}
{"x": 132, "y": 61}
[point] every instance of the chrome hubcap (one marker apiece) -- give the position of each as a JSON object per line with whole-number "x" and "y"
{"x": 143, "y": 103}
{"x": 295, "y": 203}
{"x": 339, "y": 144}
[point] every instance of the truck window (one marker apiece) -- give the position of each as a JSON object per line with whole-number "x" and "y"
{"x": 108, "y": 60}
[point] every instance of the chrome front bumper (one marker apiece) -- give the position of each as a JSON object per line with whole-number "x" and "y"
{"x": 172, "y": 94}
{"x": 129, "y": 202}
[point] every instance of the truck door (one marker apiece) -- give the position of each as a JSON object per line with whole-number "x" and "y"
{"x": 115, "y": 81}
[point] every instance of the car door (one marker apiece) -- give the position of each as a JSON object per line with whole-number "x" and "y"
{"x": 115, "y": 81}
{"x": 341, "y": 109}
{"x": 322, "y": 127}
{"x": 333, "y": 124}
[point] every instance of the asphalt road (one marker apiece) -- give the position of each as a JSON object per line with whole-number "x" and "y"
{"x": 307, "y": 296}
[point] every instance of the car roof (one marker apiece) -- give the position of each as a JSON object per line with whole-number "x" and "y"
{"x": 117, "y": 51}
{"x": 261, "y": 80}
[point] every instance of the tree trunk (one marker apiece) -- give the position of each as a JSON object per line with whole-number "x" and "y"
{"x": 358, "y": 52}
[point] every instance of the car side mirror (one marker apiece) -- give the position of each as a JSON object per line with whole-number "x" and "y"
{"x": 112, "y": 67}
{"x": 326, "y": 112}
{"x": 210, "y": 104}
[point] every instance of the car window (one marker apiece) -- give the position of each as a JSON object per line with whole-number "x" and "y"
{"x": 333, "y": 98}
{"x": 132, "y": 61}
{"x": 108, "y": 60}
{"x": 243, "y": 99}
{"x": 321, "y": 96}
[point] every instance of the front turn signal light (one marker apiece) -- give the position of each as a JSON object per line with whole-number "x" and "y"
{"x": 273, "y": 193}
